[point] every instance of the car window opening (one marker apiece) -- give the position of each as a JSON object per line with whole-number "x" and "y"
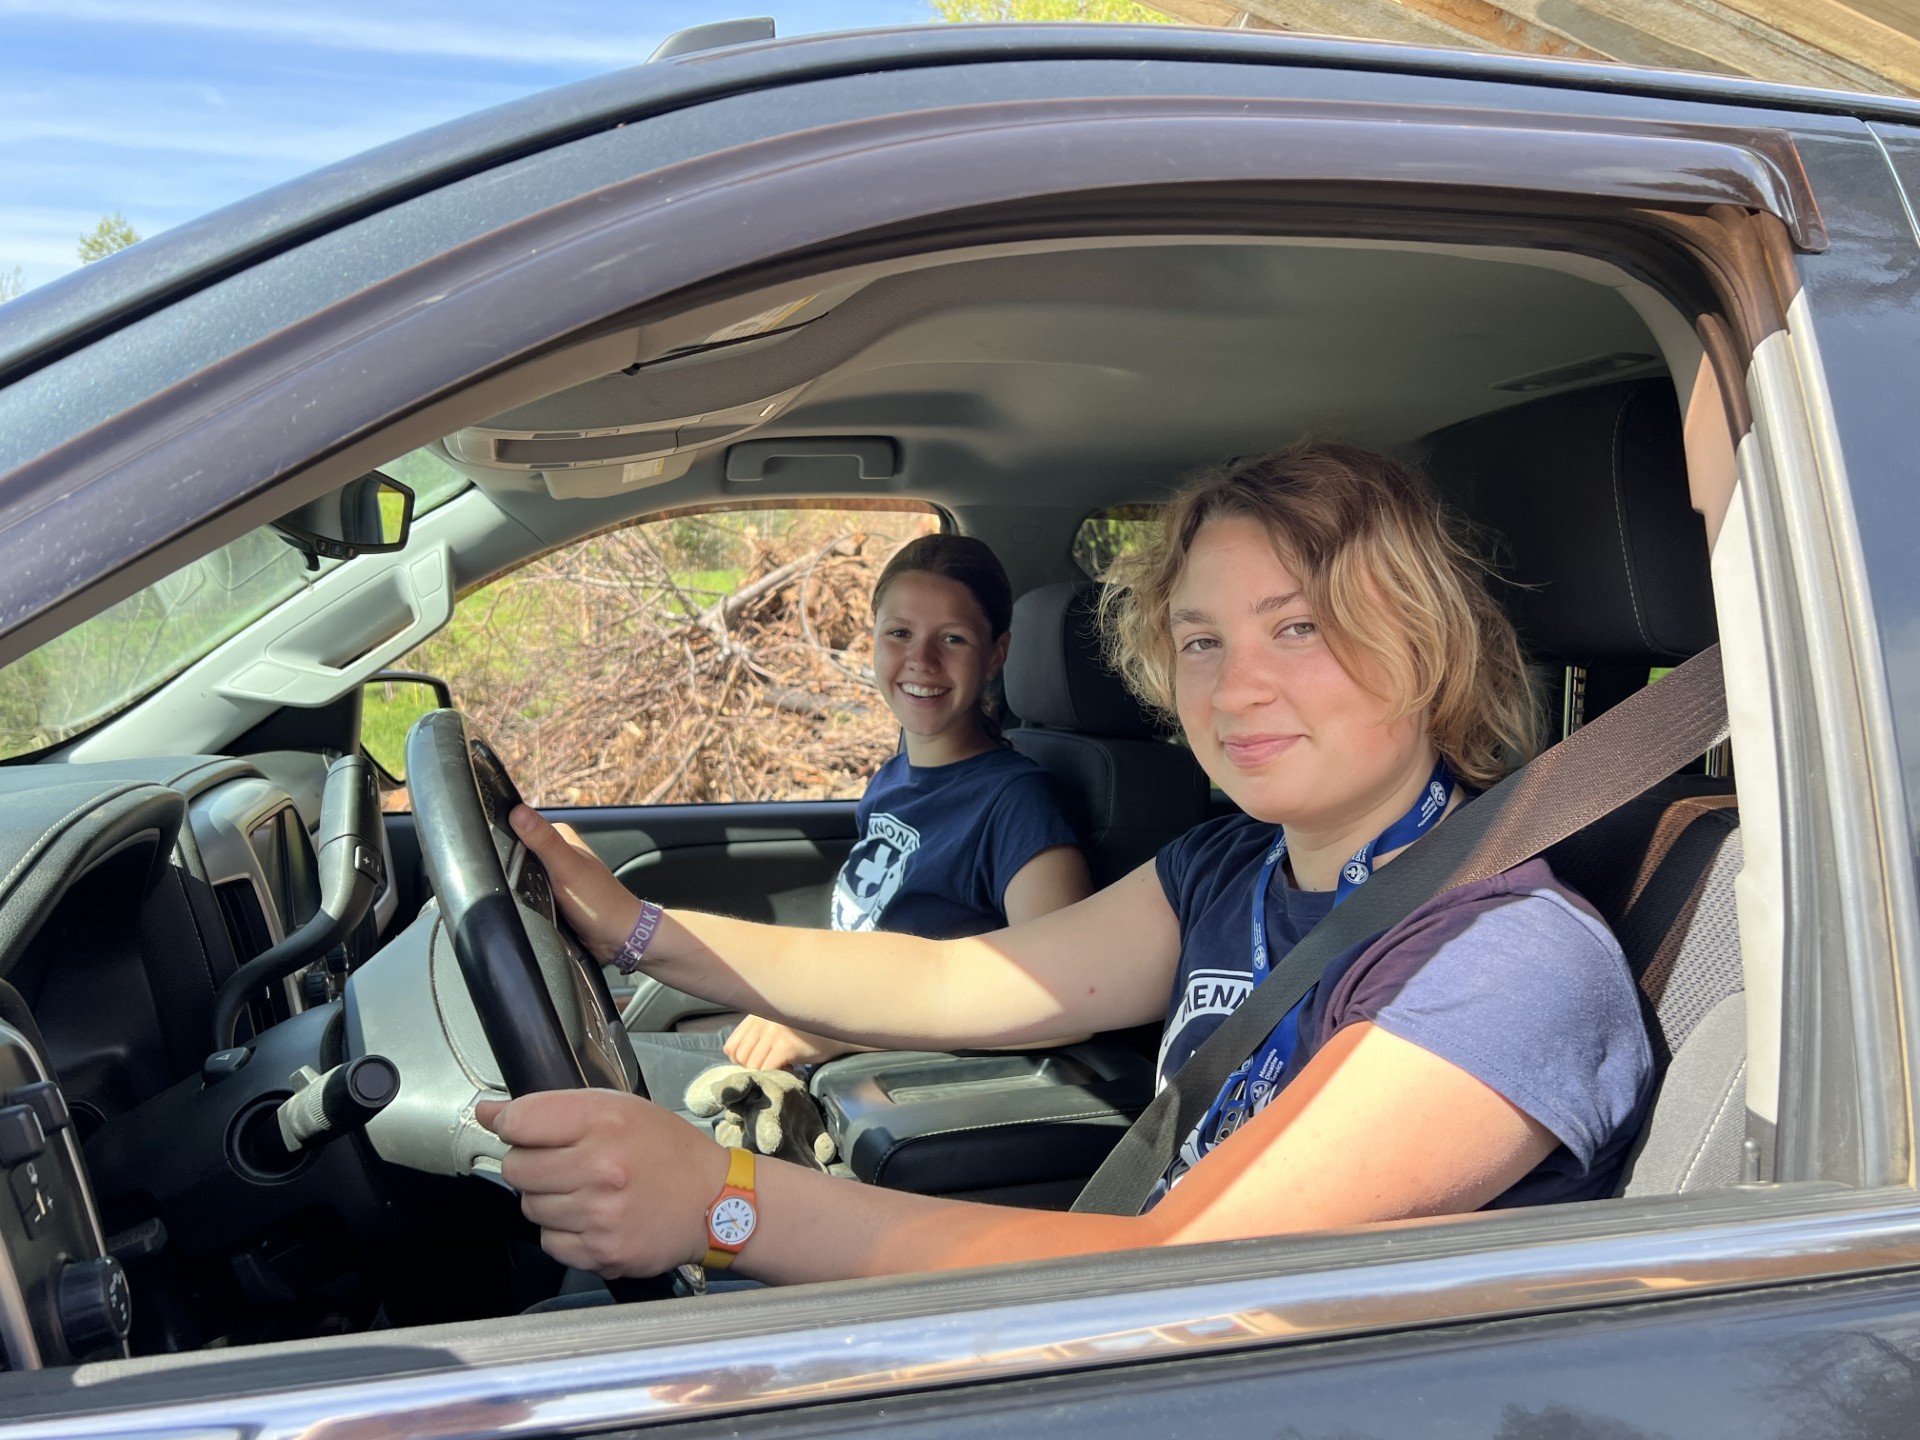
{"x": 671, "y": 636}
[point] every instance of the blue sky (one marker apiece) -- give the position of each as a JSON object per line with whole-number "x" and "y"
{"x": 165, "y": 109}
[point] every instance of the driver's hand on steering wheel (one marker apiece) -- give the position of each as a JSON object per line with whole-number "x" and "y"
{"x": 617, "y": 1185}
{"x": 600, "y": 909}
{"x": 762, "y": 1044}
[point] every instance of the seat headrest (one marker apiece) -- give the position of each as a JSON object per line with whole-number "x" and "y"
{"x": 1055, "y": 675}
{"x": 1602, "y": 556}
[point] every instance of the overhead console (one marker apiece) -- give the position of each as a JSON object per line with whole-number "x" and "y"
{"x": 647, "y": 424}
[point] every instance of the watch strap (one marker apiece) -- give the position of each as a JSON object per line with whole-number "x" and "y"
{"x": 739, "y": 1181}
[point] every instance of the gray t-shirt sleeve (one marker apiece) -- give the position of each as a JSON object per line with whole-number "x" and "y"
{"x": 1529, "y": 994}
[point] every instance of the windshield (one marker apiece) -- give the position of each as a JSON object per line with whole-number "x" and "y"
{"x": 103, "y": 665}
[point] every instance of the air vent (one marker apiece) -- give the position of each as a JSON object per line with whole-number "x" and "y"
{"x": 246, "y": 921}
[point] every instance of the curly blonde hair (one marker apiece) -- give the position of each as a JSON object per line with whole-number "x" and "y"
{"x": 1393, "y": 581}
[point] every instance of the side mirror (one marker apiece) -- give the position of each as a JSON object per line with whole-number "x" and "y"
{"x": 368, "y": 516}
{"x": 389, "y": 704}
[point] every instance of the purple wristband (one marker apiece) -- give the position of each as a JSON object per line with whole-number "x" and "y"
{"x": 628, "y": 957}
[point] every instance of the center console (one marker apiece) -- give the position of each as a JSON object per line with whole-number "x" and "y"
{"x": 1024, "y": 1127}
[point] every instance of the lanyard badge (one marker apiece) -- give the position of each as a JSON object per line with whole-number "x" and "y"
{"x": 1249, "y": 1088}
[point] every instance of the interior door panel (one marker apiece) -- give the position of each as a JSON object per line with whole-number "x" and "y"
{"x": 772, "y": 862}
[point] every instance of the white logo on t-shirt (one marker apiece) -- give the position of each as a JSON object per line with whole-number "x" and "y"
{"x": 873, "y": 873}
{"x": 1208, "y": 992}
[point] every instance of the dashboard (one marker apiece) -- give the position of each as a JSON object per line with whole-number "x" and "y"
{"x": 134, "y": 890}
{"x": 171, "y": 1189}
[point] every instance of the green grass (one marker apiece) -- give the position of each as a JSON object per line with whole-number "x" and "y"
{"x": 704, "y": 587}
{"x": 385, "y": 717}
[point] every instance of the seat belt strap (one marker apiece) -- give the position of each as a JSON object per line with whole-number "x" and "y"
{"x": 1607, "y": 762}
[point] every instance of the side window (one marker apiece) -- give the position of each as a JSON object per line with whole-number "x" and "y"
{"x": 724, "y": 655}
{"x": 1106, "y": 535}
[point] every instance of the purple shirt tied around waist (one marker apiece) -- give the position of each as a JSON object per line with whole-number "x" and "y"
{"x": 1515, "y": 980}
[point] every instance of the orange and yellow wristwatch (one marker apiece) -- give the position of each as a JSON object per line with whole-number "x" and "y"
{"x": 732, "y": 1217}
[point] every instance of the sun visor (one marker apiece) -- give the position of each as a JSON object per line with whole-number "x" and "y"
{"x": 592, "y": 460}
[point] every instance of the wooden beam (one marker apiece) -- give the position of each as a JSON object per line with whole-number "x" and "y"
{"x": 1735, "y": 40}
{"x": 1504, "y": 27}
{"x": 1860, "y": 40}
{"x": 1900, "y": 15}
{"x": 1799, "y": 42}
{"x": 1617, "y": 39}
{"x": 1371, "y": 19}
{"x": 1211, "y": 12}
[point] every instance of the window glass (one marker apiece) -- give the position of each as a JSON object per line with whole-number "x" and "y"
{"x": 103, "y": 665}
{"x": 723, "y": 655}
{"x": 1106, "y": 535}
{"x": 427, "y": 473}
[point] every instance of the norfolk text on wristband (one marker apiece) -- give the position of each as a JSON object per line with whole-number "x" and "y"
{"x": 628, "y": 957}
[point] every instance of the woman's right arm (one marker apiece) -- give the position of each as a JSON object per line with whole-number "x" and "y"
{"x": 1103, "y": 964}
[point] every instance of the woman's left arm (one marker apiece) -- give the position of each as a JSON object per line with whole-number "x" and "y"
{"x": 1373, "y": 1128}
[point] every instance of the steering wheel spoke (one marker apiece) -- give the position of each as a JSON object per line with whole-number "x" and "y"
{"x": 546, "y": 1012}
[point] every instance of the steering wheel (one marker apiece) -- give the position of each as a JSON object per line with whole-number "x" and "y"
{"x": 523, "y": 967}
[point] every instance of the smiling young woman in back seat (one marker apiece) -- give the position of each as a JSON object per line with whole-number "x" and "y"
{"x": 958, "y": 833}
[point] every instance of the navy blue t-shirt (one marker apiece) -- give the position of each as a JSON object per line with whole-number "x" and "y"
{"x": 1515, "y": 979}
{"x": 938, "y": 844}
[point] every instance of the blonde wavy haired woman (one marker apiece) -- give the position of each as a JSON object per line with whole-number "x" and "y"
{"x": 1325, "y": 641}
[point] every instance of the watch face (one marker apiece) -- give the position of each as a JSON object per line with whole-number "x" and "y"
{"x": 732, "y": 1221}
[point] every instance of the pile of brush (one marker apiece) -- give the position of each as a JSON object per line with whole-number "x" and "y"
{"x": 710, "y": 658}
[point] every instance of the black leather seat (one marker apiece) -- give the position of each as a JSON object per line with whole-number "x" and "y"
{"x": 1129, "y": 788}
{"x": 1605, "y": 564}
{"x": 1603, "y": 557}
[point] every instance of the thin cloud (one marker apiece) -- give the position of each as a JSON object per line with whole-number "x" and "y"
{"x": 42, "y": 239}
{"x": 166, "y": 109}
{"x": 305, "y": 147}
{"x": 291, "y": 125}
{"x": 198, "y": 137}
{"x": 514, "y": 40}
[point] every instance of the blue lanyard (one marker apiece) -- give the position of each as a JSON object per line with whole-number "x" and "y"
{"x": 1249, "y": 1088}
{"x": 1421, "y": 817}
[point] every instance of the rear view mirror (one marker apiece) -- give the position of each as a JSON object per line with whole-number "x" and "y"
{"x": 389, "y": 704}
{"x": 368, "y": 516}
